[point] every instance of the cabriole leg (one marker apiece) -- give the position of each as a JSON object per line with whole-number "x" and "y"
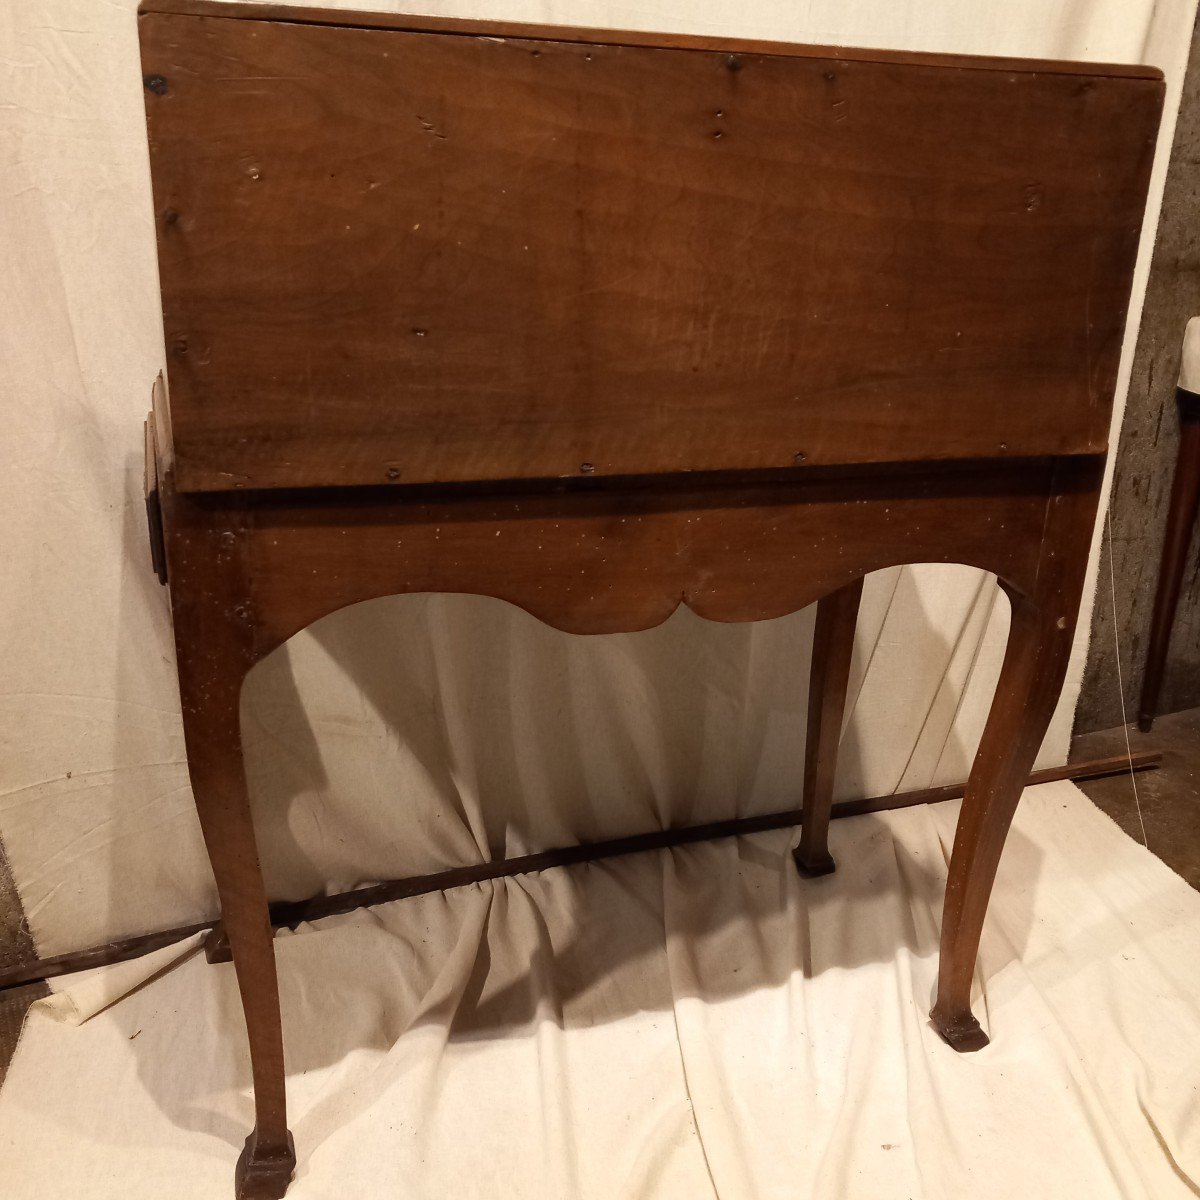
{"x": 210, "y": 633}
{"x": 833, "y": 644}
{"x": 1039, "y": 644}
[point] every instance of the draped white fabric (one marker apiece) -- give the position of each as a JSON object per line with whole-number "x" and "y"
{"x": 687, "y": 1025}
{"x": 409, "y": 734}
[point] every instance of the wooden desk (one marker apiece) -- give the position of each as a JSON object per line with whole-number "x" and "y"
{"x": 603, "y": 323}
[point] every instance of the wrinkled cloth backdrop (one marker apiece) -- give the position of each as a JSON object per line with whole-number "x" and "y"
{"x": 412, "y": 734}
{"x": 695, "y": 1024}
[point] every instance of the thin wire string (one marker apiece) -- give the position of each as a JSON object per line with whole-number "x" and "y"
{"x": 1112, "y": 581}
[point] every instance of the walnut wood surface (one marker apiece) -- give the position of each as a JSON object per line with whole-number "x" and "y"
{"x": 829, "y": 676}
{"x": 599, "y": 259}
{"x": 780, "y": 317}
{"x": 1041, "y": 629}
{"x": 609, "y": 559}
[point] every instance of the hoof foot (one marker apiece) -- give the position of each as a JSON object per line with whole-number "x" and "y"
{"x": 264, "y": 1176}
{"x": 1145, "y": 722}
{"x": 961, "y": 1033}
{"x": 813, "y": 868}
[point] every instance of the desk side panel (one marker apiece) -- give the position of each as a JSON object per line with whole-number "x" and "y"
{"x": 428, "y": 257}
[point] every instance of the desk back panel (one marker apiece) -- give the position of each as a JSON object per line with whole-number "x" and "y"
{"x": 426, "y": 256}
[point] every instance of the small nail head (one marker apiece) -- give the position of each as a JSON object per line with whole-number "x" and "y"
{"x": 156, "y": 84}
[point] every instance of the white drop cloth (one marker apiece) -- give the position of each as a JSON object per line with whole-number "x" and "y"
{"x": 678, "y": 1025}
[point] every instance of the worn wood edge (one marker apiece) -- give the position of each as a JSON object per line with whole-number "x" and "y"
{"x": 160, "y": 409}
{"x": 291, "y": 913}
{"x": 464, "y": 26}
{"x": 154, "y": 521}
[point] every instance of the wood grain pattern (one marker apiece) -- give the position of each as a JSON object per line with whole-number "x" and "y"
{"x": 616, "y": 259}
{"x": 609, "y": 560}
{"x": 602, "y": 325}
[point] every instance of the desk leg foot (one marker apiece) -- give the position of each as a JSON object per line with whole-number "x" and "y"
{"x": 960, "y": 1032}
{"x": 833, "y": 644}
{"x": 263, "y": 1175}
{"x": 815, "y": 867}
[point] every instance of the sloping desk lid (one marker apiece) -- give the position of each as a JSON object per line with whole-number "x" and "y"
{"x": 419, "y": 250}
